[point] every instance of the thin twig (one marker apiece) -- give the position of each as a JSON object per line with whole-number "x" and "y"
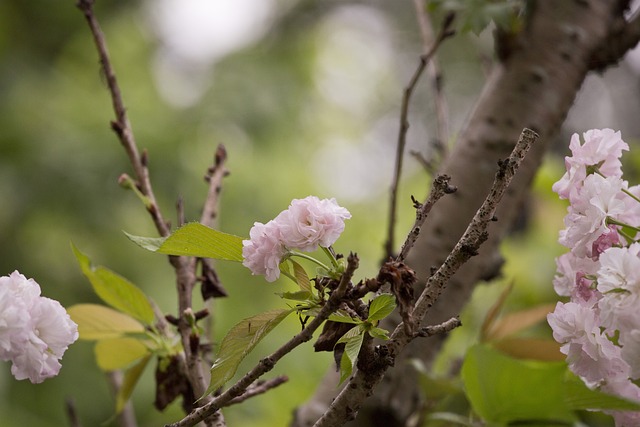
{"x": 266, "y": 364}
{"x": 122, "y": 126}
{"x": 444, "y": 33}
{"x": 214, "y": 177}
{"x": 127, "y": 417}
{"x": 435, "y": 77}
{"x": 258, "y": 388}
{"x": 361, "y": 384}
{"x": 72, "y": 414}
{"x": 442, "y": 328}
{"x": 439, "y": 188}
{"x": 183, "y": 267}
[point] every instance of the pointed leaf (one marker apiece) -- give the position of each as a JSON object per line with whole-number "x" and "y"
{"x": 195, "y": 239}
{"x": 381, "y": 306}
{"x": 239, "y": 342}
{"x": 380, "y": 333}
{"x": 301, "y": 276}
{"x": 119, "y": 353}
{"x": 493, "y": 313}
{"x": 149, "y": 243}
{"x": 96, "y": 322}
{"x": 515, "y": 322}
{"x": 116, "y": 291}
{"x": 296, "y": 296}
{"x": 530, "y": 348}
{"x": 351, "y": 351}
{"x": 131, "y": 378}
{"x": 343, "y": 317}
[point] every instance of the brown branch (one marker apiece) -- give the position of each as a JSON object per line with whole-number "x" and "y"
{"x": 444, "y": 33}
{"x": 72, "y": 413}
{"x": 435, "y": 77}
{"x": 214, "y": 177}
{"x": 266, "y": 364}
{"x": 121, "y": 126}
{"x": 361, "y": 385}
{"x": 439, "y": 188}
{"x": 184, "y": 268}
{"x": 260, "y": 387}
{"x": 623, "y": 36}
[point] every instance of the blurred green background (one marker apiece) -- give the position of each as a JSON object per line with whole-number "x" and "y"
{"x": 304, "y": 95}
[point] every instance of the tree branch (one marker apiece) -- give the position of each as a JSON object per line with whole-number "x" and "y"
{"x": 360, "y": 386}
{"x": 266, "y": 364}
{"x": 259, "y": 387}
{"x": 445, "y": 32}
{"x": 184, "y": 268}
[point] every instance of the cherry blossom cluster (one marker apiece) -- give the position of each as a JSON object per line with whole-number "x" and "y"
{"x": 307, "y": 224}
{"x": 35, "y": 331}
{"x": 599, "y": 328}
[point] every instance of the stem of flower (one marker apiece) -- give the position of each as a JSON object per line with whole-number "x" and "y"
{"x": 333, "y": 259}
{"x": 309, "y": 258}
{"x": 620, "y": 223}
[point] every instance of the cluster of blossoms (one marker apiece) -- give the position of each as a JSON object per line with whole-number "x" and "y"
{"x": 307, "y": 224}
{"x": 35, "y": 331}
{"x": 599, "y": 328}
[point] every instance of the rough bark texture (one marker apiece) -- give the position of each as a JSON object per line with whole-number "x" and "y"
{"x": 534, "y": 85}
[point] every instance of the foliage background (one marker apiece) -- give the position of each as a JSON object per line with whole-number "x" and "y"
{"x": 304, "y": 95}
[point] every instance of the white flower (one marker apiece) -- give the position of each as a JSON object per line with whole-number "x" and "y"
{"x": 311, "y": 222}
{"x": 619, "y": 283}
{"x": 35, "y": 340}
{"x": 264, "y": 251}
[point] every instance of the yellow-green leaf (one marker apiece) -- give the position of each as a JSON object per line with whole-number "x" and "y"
{"x": 119, "y": 353}
{"x": 239, "y": 342}
{"x": 301, "y": 276}
{"x": 381, "y": 306}
{"x": 131, "y": 378}
{"x": 116, "y": 291}
{"x": 195, "y": 239}
{"x": 96, "y": 322}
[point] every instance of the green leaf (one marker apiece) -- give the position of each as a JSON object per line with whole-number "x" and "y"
{"x": 296, "y": 296}
{"x": 353, "y": 342}
{"x": 239, "y": 342}
{"x": 97, "y": 322}
{"x": 149, "y": 243}
{"x": 131, "y": 378}
{"x": 342, "y": 316}
{"x": 502, "y": 389}
{"x": 381, "y": 306}
{"x": 195, "y": 239}
{"x": 116, "y": 291}
{"x": 579, "y": 396}
{"x": 301, "y": 276}
{"x": 119, "y": 353}
{"x": 380, "y": 333}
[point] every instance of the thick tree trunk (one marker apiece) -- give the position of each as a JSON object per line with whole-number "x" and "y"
{"x": 533, "y": 86}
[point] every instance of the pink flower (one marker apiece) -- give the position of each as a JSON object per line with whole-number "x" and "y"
{"x": 311, "y": 222}
{"x": 37, "y": 339}
{"x": 590, "y": 354}
{"x": 264, "y": 251}
{"x": 586, "y": 221}
{"x": 602, "y": 148}
{"x": 569, "y": 269}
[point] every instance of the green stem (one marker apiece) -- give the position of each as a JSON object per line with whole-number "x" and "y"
{"x": 333, "y": 259}
{"x": 622, "y": 224}
{"x": 309, "y": 258}
{"x": 633, "y": 196}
